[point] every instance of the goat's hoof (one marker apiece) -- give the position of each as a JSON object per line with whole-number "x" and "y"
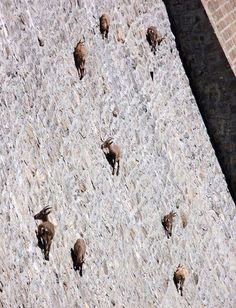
{"x": 47, "y": 258}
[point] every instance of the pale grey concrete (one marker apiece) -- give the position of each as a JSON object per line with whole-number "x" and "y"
{"x": 51, "y": 124}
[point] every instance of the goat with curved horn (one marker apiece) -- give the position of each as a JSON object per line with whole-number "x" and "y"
{"x": 113, "y": 154}
{"x": 46, "y": 231}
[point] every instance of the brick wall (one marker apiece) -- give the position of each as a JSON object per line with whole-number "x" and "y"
{"x": 222, "y": 15}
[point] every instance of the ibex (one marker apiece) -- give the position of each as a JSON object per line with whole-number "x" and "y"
{"x": 104, "y": 25}
{"x": 154, "y": 37}
{"x": 45, "y": 231}
{"x": 78, "y": 254}
{"x": 113, "y": 154}
{"x": 167, "y": 223}
{"x": 80, "y": 56}
{"x": 179, "y": 277}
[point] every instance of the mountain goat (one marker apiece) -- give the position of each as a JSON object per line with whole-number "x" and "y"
{"x": 167, "y": 223}
{"x": 80, "y": 57}
{"x": 46, "y": 231}
{"x": 78, "y": 254}
{"x": 104, "y": 25}
{"x": 113, "y": 154}
{"x": 154, "y": 37}
{"x": 179, "y": 277}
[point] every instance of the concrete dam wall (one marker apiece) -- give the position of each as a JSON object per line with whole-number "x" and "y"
{"x": 51, "y": 125}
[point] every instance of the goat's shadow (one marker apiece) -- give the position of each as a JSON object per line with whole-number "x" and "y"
{"x": 40, "y": 242}
{"x": 165, "y": 228}
{"x": 176, "y": 283}
{"x": 110, "y": 159}
{"x": 73, "y": 257}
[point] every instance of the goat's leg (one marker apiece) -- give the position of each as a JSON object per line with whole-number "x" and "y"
{"x": 47, "y": 249}
{"x": 81, "y": 269}
{"x": 181, "y": 287}
{"x": 113, "y": 166}
{"x": 118, "y": 167}
{"x": 81, "y": 73}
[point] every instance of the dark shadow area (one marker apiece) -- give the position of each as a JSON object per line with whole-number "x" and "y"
{"x": 110, "y": 159}
{"x": 211, "y": 79}
{"x": 40, "y": 243}
{"x": 73, "y": 259}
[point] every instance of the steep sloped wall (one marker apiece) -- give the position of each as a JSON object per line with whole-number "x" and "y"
{"x": 50, "y": 155}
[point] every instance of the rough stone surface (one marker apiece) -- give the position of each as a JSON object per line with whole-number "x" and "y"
{"x": 51, "y": 124}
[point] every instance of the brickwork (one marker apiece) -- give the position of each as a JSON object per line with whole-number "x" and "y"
{"x": 222, "y": 15}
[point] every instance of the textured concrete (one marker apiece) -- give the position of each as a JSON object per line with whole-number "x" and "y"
{"x": 50, "y": 155}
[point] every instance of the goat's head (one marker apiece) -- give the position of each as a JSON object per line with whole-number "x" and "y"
{"x": 81, "y": 42}
{"x": 168, "y": 219}
{"x": 172, "y": 215}
{"x": 106, "y": 143}
{"x": 43, "y": 213}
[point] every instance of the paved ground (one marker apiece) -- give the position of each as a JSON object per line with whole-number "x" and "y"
{"x": 51, "y": 125}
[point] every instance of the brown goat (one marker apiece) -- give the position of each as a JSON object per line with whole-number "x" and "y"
{"x": 167, "y": 223}
{"x": 104, "y": 25}
{"x": 78, "y": 254}
{"x": 80, "y": 57}
{"x": 154, "y": 37}
{"x": 179, "y": 277}
{"x": 113, "y": 154}
{"x": 46, "y": 231}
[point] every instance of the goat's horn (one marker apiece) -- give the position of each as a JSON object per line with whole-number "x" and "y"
{"x": 109, "y": 139}
{"x": 47, "y": 207}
